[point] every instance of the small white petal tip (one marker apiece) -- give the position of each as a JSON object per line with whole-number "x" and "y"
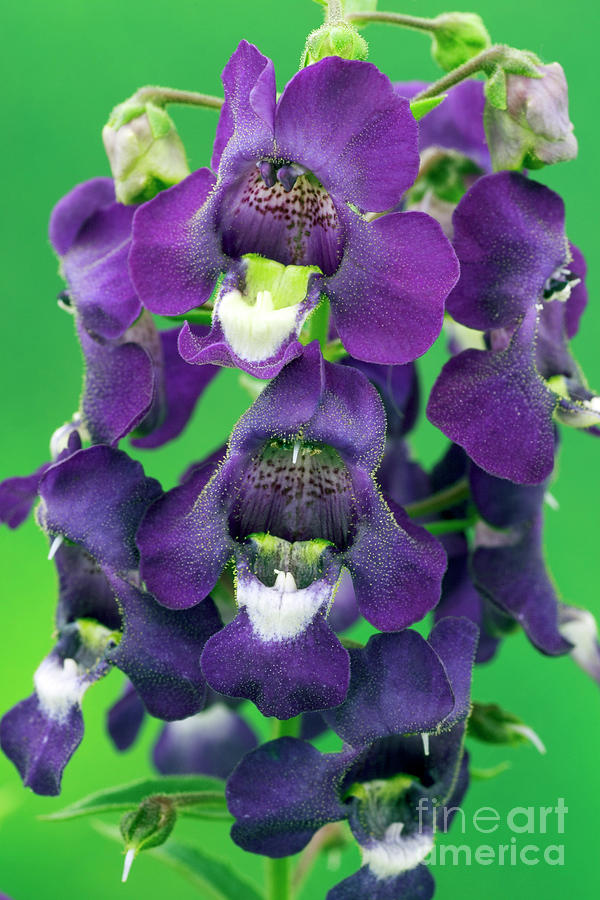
{"x": 129, "y": 858}
{"x": 531, "y": 736}
{"x": 54, "y": 546}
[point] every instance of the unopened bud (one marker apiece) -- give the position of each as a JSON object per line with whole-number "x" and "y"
{"x": 145, "y": 152}
{"x": 490, "y": 723}
{"x": 149, "y": 825}
{"x": 339, "y": 39}
{"x": 534, "y": 129}
{"x": 457, "y": 38}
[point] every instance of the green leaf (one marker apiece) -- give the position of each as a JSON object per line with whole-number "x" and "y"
{"x": 210, "y": 800}
{"x": 208, "y": 872}
{"x": 420, "y": 108}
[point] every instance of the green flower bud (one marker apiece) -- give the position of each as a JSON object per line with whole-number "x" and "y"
{"x": 339, "y": 39}
{"x": 457, "y": 38}
{"x": 533, "y": 129}
{"x": 145, "y": 152}
{"x": 490, "y": 723}
{"x": 149, "y": 825}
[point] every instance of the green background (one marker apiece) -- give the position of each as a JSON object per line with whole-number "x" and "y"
{"x": 65, "y": 65}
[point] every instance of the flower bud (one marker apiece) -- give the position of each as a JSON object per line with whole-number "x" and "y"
{"x": 534, "y": 129}
{"x": 145, "y": 152}
{"x": 339, "y": 39}
{"x": 149, "y": 825}
{"x": 490, "y": 723}
{"x": 457, "y": 38}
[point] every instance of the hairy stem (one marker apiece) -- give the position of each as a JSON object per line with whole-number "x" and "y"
{"x": 162, "y": 95}
{"x": 335, "y": 13}
{"x": 447, "y": 526}
{"x": 446, "y": 499}
{"x": 483, "y": 62}
{"x": 389, "y": 18}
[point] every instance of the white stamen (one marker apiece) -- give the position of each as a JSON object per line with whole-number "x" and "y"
{"x": 425, "y": 739}
{"x": 531, "y": 736}
{"x": 54, "y": 546}
{"x": 295, "y": 452}
{"x": 285, "y": 582}
{"x": 129, "y": 858}
{"x": 551, "y": 500}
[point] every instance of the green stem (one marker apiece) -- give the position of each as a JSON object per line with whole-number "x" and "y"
{"x": 335, "y": 13}
{"x": 162, "y": 95}
{"x": 279, "y": 882}
{"x": 201, "y": 316}
{"x": 447, "y": 526}
{"x": 285, "y": 727}
{"x": 279, "y": 877}
{"x": 389, "y": 18}
{"x": 483, "y": 62}
{"x": 446, "y": 499}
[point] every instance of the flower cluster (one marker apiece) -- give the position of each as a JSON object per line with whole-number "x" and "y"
{"x": 322, "y": 253}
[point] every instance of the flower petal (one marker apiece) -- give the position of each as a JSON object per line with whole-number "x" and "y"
{"x": 388, "y": 294}
{"x": 282, "y": 793}
{"x": 342, "y": 120}
{"x": 174, "y": 263}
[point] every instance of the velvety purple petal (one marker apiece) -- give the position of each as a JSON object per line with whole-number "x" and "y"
{"x": 17, "y": 496}
{"x": 397, "y": 686}
{"x": 455, "y": 642}
{"x": 460, "y": 598}
{"x": 501, "y": 502}
{"x": 184, "y": 385}
{"x": 184, "y": 544}
{"x": 388, "y": 294}
{"x": 508, "y": 567}
{"x": 400, "y": 477}
{"x": 95, "y": 269}
{"x": 494, "y": 404}
{"x": 578, "y": 298}
{"x": 282, "y": 677}
{"x": 398, "y": 387}
{"x": 283, "y": 792}
{"x": 416, "y": 884}
{"x": 249, "y": 109}
{"x": 344, "y": 610}
{"x": 509, "y": 238}
{"x": 84, "y": 590}
{"x": 342, "y": 120}
{"x": 125, "y": 718}
{"x": 160, "y": 651}
{"x": 40, "y": 746}
{"x": 119, "y": 387}
{"x": 396, "y": 566}
{"x": 349, "y": 417}
{"x": 209, "y": 743}
{"x": 74, "y": 209}
{"x": 457, "y": 123}
{"x": 286, "y": 404}
{"x": 174, "y": 262}
{"x": 96, "y": 498}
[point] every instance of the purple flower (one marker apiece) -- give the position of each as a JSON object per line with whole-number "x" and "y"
{"x": 135, "y": 380}
{"x": 284, "y": 221}
{"x": 383, "y": 781}
{"x": 293, "y": 502}
{"x": 91, "y": 505}
{"x": 520, "y": 284}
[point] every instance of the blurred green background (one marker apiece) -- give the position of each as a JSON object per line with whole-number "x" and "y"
{"x": 65, "y": 64}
